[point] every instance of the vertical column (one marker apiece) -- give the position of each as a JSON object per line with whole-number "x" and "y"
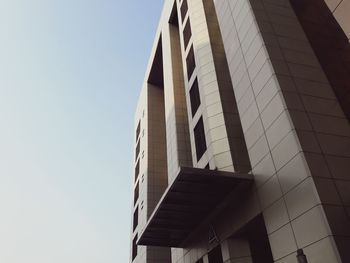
{"x": 237, "y": 144}
{"x": 216, "y": 133}
{"x": 157, "y": 157}
{"x": 178, "y": 137}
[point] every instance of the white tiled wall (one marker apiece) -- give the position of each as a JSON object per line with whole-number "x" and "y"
{"x": 287, "y": 123}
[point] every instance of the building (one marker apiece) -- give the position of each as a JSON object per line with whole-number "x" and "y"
{"x": 242, "y": 148}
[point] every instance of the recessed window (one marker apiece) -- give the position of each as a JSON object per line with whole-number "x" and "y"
{"x": 199, "y": 137}
{"x": 138, "y": 130}
{"x": 190, "y": 63}
{"x": 187, "y": 33}
{"x": 136, "y": 218}
{"x": 134, "y": 248}
{"x": 184, "y": 8}
{"x": 215, "y": 255}
{"x": 137, "y": 150}
{"x": 194, "y": 97}
{"x": 136, "y": 193}
{"x": 137, "y": 170}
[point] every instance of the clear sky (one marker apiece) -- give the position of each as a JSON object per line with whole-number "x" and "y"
{"x": 70, "y": 75}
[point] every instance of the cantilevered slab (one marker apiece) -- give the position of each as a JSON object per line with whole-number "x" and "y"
{"x": 187, "y": 202}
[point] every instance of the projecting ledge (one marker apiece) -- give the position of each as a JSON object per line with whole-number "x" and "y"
{"x": 191, "y": 198}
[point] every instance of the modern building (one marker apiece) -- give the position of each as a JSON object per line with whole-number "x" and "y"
{"x": 242, "y": 135}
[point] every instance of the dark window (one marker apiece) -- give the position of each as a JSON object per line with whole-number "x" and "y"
{"x": 137, "y": 150}
{"x": 136, "y": 193}
{"x": 191, "y": 64}
{"x": 137, "y": 169}
{"x": 215, "y": 255}
{"x": 134, "y": 248}
{"x": 138, "y": 130}
{"x": 199, "y": 137}
{"x": 136, "y": 218}
{"x": 194, "y": 97}
{"x": 199, "y": 261}
{"x": 184, "y": 9}
{"x": 187, "y": 33}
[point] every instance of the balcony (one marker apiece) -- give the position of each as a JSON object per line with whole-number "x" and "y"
{"x": 187, "y": 202}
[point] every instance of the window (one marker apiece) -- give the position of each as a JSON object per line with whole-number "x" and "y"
{"x": 199, "y": 261}
{"x": 190, "y": 63}
{"x": 138, "y": 130}
{"x": 199, "y": 137}
{"x": 137, "y": 150}
{"x": 136, "y": 218}
{"x": 215, "y": 255}
{"x": 187, "y": 33}
{"x": 184, "y": 8}
{"x": 194, "y": 97}
{"x": 137, "y": 170}
{"x": 136, "y": 193}
{"x": 134, "y": 248}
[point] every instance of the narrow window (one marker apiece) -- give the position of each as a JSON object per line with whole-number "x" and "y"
{"x": 137, "y": 170}
{"x": 184, "y": 9}
{"x": 137, "y": 150}
{"x": 136, "y": 218}
{"x": 199, "y": 137}
{"x": 134, "y": 248}
{"x": 194, "y": 97}
{"x": 138, "y": 130}
{"x": 215, "y": 255}
{"x": 187, "y": 33}
{"x": 136, "y": 193}
{"x": 190, "y": 63}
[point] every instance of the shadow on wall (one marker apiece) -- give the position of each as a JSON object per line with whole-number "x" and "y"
{"x": 330, "y": 44}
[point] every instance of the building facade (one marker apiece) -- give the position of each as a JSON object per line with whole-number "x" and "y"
{"x": 242, "y": 148}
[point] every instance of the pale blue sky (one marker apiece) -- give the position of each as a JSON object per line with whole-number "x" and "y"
{"x": 70, "y": 74}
